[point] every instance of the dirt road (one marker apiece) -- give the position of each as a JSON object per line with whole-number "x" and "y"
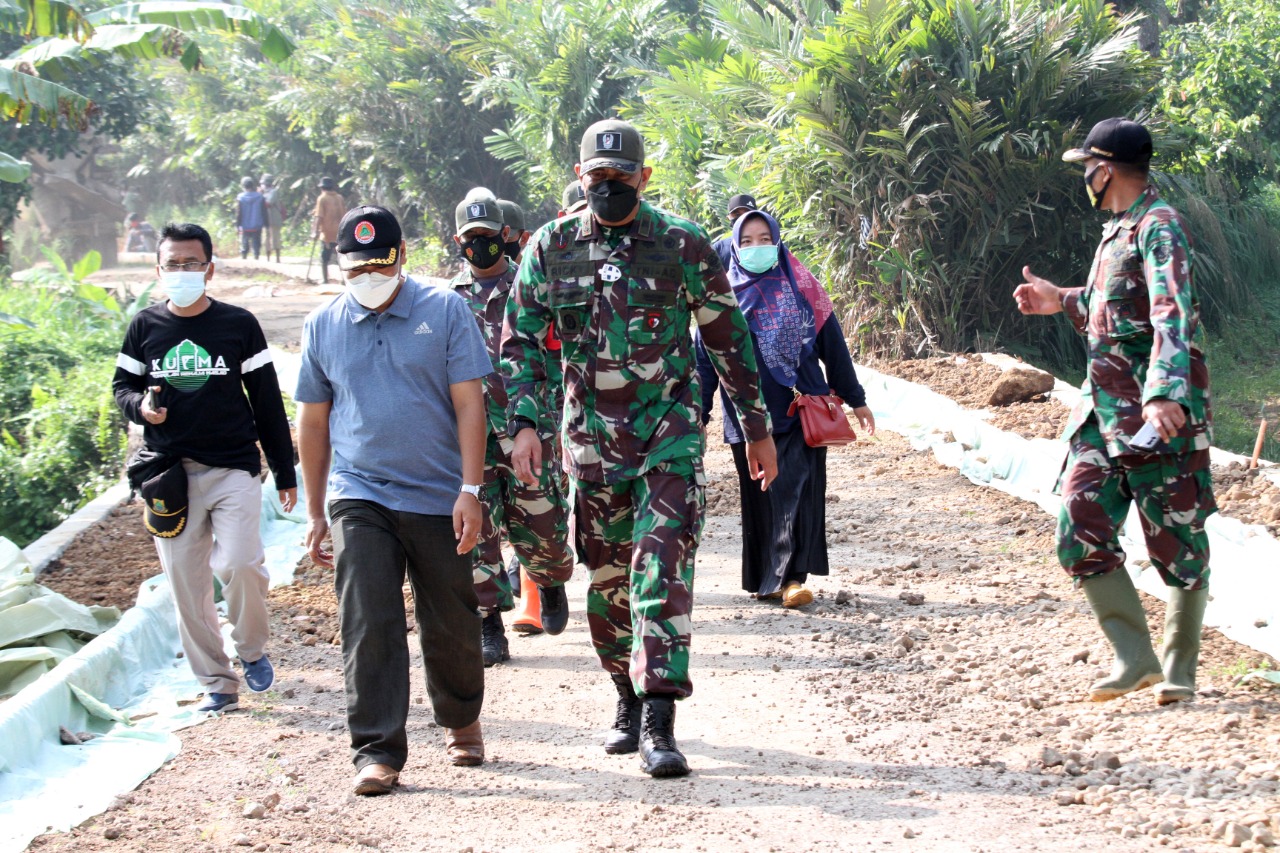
{"x": 862, "y": 722}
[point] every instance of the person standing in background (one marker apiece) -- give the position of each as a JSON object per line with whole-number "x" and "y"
{"x": 251, "y": 218}
{"x": 275, "y": 215}
{"x": 330, "y": 208}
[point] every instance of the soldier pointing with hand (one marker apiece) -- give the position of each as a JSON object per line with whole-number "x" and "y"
{"x": 1141, "y": 430}
{"x": 621, "y": 282}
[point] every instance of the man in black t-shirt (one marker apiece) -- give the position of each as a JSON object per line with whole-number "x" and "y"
{"x": 196, "y": 373}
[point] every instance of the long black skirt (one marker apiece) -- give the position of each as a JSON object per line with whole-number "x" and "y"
{"x": 784, "y": 530}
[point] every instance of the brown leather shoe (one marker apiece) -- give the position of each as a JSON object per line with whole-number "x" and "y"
{"x": 375, "y": 779}
{"x": 465, "y": 746}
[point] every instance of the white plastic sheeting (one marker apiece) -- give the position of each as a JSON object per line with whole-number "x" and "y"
{"x": 125, "y": 685}
{"x": 1245, "y": 559}
{"x": 38, "y": 627}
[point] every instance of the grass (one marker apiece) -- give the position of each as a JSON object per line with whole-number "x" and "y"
{"x": 1244, "y": 378}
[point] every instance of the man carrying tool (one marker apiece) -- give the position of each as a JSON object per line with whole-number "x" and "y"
{"x": 622, "y": 281}
{"x": 1141, "y": 430}
{"x": 324, "y": 226}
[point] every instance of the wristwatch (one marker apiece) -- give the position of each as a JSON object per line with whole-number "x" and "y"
{"x": 474, "y": 491}
{"x": 516, "y": 424}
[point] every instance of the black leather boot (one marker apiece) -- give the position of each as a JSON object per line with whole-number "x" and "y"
{"x": 493, "y": 640}
{"x": 659, "y": 755}
{"x": 624, "y": 737}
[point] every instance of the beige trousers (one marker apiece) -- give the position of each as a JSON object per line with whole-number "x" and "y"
{"x": 221, "y": 540}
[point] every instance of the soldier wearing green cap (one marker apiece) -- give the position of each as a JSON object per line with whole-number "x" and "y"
{"x": 534, "y": 516}
{"x": 621, "y": 281}
{"x": 1141, "y": 431}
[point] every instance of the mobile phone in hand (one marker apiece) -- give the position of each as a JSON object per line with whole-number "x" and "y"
{"x": 1146, "y": 439}
{"x": 150, "y": 398}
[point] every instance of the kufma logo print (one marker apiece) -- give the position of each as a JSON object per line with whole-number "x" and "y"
{"x": 188, "y": 366}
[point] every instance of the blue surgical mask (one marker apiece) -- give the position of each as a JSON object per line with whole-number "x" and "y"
{"x": 758, "y": 259}
{"x": 183, "y": 288}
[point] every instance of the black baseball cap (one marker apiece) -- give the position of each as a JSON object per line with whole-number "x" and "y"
{"x": 574, "y": 197}
{"x": 742, "y": 200}
{"x": 368, "y": 235}
{"x": 1116, "y": 139}
{"x": 611, "y": 144}
{"x": 165, "y": 499}
{"x": 328, "y": 184}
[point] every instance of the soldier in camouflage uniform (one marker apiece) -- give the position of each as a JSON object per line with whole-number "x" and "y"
{"x": 621, "y": 282}
{"x": 533, "y": 515}
{"x": 1140, "y": 314}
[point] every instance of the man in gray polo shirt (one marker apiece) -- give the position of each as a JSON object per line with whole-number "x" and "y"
{"x": 390, "y": 389}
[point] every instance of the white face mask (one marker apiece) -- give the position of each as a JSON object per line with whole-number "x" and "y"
{"x": 372, "y": 289}
{"x": 182, "y": 287}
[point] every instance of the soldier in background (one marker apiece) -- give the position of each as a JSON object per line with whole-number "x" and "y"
{"x": 518, "y": 235}
{"x": 621, "y": 284}
{"x": 573, "y": 199}
{"x": 1141, "y": 431}
{"x": 533, "y": 515}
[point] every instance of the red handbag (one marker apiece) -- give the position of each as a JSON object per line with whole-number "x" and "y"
{"x": 823, "y": 419}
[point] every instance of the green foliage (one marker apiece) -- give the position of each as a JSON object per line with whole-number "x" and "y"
{"x": 1221, "y": 92}
{"x": 61, "y": 435}
{"x": 934, "y": 125}
{"x": 572, "y": 65}
{"x": 68, "y": 449}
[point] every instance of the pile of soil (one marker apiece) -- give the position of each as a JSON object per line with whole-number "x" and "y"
{"x": 107, "y": 563}
{"x": 1242, "y": 494}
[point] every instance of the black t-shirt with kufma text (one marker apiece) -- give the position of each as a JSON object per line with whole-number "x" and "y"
{"x": 217, "y": 381}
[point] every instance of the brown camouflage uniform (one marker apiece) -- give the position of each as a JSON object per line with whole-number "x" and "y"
{"x": 622, "y": 300}
{"x": 535, "y": 518}
{"x": 1140, "y": 315}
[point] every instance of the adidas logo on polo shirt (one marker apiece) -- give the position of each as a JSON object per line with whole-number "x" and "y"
{"x": 423, "y": 329}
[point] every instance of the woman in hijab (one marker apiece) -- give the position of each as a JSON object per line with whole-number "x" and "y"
{"x": 795, "y": 335}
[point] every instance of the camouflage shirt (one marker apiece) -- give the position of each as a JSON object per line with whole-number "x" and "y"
{"x": 622, "y": 315}
{"x": 487, "y": 299}
{"x": 1140, "y": 314}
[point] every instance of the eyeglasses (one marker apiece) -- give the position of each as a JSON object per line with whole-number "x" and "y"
{"x": 193, "y": 266}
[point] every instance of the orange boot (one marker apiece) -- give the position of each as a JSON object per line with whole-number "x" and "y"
{"x": 529, "y": 616}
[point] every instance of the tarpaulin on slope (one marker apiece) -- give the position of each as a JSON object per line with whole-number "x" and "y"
{"x": 131, "y": 673}
{"x": 39, "y": 628}
{"x": 1245, "y": 559}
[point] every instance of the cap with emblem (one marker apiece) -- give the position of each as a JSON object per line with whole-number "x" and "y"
{"x": 478, "y": 210}
{"x": 742, "y": 201}
{"x": 368, "y": 235}
{"x": 165, "y": 500}
{"x": 574, "y": 197}
{"x": 512, "y": 216}
{"x": 1116, "y": 139}
{"x": 611, "y": 144}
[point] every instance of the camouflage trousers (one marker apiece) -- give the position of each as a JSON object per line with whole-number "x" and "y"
{"x": 1174, "y": 496}
{"x": 638, "y": 539}
{"x": 535, "y": 520}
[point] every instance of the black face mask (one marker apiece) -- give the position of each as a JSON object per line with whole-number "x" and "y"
{"x": 512, "y": 249}
{"x": 612, "y": 201}
{"x": 483, "y": 251}
{"x": 1096, "y": 197}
